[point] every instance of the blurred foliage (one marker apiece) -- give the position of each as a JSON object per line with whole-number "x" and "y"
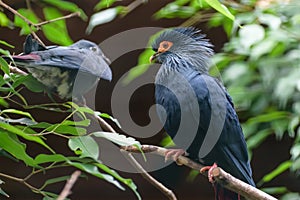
{"x": 261, "y": 68}
{"x": 259, "y": 62}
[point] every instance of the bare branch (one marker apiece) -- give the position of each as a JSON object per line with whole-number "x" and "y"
{"x": 169, "y": 193}
{"x": 220, "y": 176}
{"x": 238, "y": 186}
{"x": 67, "y": 189}
{"x": 75, "y": 14}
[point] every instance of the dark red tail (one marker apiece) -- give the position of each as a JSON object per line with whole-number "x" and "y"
{"x": 224, "y": 194}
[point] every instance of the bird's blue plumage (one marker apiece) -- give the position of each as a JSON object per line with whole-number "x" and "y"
{"x": 213, "y": 105}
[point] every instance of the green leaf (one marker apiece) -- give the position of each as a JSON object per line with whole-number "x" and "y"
{"x": 46, "y": 158}
{"x": 6, "y": 44}
{"x": 280, "y": 169}
{"x": 103, "y": 17}
{"x": 93, "y": 170}
{"x": 54, "y": 180}
{"x": 295, "y": 151}
{"x": 269, "y": 117}
{"x": 119, "y": 139}
{"x": 4, "y": 21}
{"x": 33, "y": 84}
{"x": 11, "y": 144}
{"x": 68, "y": 6}
{"x": 23, "y": 134}
{"x": 220, "y": 8}
{"x": 57, "y": 28}
{"x": 18, "y": 112}
{"x": 256, "y": 139}
{"x": 2, "y": 192}
{"x": 107, "y": 116}
{"x": 4, "y": 66}
{"x": 275, "y": 190}
{"x": 85, "y": 122}
{"x": 85, "y": 146}
{"x": 125, "y": 181}
{"x": 29, "y": 14}
{"x": 104, "y": 4}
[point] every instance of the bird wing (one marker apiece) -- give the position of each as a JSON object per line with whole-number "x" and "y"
{"x": 219, "y": 137}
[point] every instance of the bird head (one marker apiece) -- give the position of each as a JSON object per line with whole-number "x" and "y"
{"x": 183, "y": 44}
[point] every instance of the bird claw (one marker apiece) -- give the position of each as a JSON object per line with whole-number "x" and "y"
{"x": 209, "y": 169}
{"x": 173, "y": 154}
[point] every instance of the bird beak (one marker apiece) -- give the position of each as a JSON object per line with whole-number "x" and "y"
{"x": 153, "y": 58}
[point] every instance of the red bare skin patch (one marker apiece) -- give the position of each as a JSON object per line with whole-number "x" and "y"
{"x": 164, "y": 46}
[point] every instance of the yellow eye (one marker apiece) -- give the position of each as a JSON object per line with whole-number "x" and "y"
{"x": 164, "y": 46}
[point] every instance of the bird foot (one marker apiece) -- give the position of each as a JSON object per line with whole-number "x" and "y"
{"x": 173, "y": 154}
{"x": 209, "y": 169}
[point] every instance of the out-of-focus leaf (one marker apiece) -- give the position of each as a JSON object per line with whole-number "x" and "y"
{"x": 4, "y": 66}
{"x": 275, "y": 190}
{"x": 269, "y": 117}
{"x": 272, "y": 21}
{"x": 257, "y": 138}
{"x": 251, "y": 34}
{"x": 57, "y": 31}
{"x": 68, "y": 6}
{"x": 2, "y": 192}
{"x": 125, "y": 181}
{"x": 18, "y": 112}
{"x": 29, "y": 14}
{"x": 104, "y": 4}
{"x": 294, "y": 123}
{"x": 4, "y": 21}
{"x": 103, "y": 17}
{"x": 296, "y": 165}
{"x": 280, "y": 169}
{"x": 12, "y": 145}
{"x": 85, "y": 146}
{"x": 175, "y": 11}
{"x": 119, "y": 139}
{"x": 291, "y": 196}
{"x": 6, "y": 44}
{"x": 32, "y": 84}
{"x": 93, "y": 170}
{"x": 24, "y": 121}
{"x": 220, "y": 8}
{"x": 295, "y": 151}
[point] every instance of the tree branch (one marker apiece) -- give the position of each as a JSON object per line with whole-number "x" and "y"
{"x": 147, "y": 176}
{"x": 67, "y": 189}
{"x": 220, "y": 176}
{"x": 167, "y": 192}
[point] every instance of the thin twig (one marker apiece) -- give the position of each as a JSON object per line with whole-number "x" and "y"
{"x": 219, "y": 175}
{"x": 67, "y": 189}
{"x": 75, "y": 14}
{"x": 169, "y": 193}
{"x": 35, "y": 25}
{"x": 144, "y": 173}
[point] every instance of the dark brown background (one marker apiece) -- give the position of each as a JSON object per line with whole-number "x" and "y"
{"x": 265, "y": 158}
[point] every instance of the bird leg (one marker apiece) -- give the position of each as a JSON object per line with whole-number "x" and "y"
{"x": 209, "y": 169}
{"x": 173, "y": 154}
